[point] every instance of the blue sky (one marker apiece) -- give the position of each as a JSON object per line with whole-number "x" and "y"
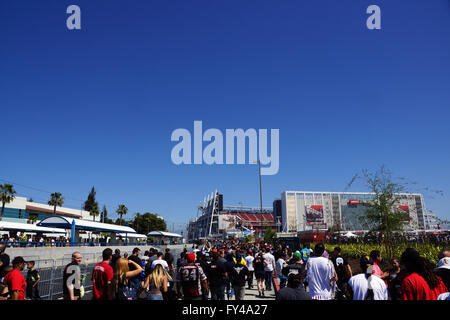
{"x": 97, "y": 106}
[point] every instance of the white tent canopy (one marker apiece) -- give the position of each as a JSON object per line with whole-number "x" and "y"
{"x": 66, "y": 223}
{"x": 350, "y": 235}
{"x": 26, "y": 227}
{"x": 164, "y": 234}
{"x": 133, "y": 235}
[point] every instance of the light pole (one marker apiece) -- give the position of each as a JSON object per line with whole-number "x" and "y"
{"x": 260, "y": 189}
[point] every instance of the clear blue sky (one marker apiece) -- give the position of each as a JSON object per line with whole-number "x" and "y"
{"x": 97, "y": 106}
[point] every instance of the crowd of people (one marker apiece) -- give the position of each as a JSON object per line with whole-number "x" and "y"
{"x": 225, "y": 271}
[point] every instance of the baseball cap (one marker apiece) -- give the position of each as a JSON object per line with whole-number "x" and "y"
{"x": 297, "y": 255}
{"x": 191, "y": 257}
{"x": 444, "y": 263}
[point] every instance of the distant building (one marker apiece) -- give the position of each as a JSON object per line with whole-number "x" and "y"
{"x": 219, "y": 221}
{"x": 20, "y": 210}
{"x": 306, "y": 210}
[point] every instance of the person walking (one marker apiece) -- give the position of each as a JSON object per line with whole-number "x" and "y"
{"x": 122, "y": 286}
{"x": 239, "y": 275}
{"x": 259, "y": 273}
{"x": 366, "y": 285}
{"x": 190, "y": 279}
{"x": 157, "y": 283}
{"x": 71, "y": 291}
{"x": 33, "y": 279}
{"x": 102, "y": 276}
{"x": 249, "y": 260}
{"x": 269, "y": 267}
{"x": 320, "y": 274}
{"x": 294, "y": 289}
{"x": 216, "y": 274}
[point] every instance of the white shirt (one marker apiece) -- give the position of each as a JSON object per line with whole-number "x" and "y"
{"x": 280, "y": 264}
{"x": 161, "y": 262}
{"x": 269, "y": 260}
{"x": 319, "y": 272}
{"x": 249, "y": 260}
{"x": 360, "y": 286}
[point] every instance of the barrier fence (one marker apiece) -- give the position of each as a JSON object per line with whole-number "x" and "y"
{"x": 51, "y": 274}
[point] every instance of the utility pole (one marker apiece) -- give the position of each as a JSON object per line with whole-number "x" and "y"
{"x": 260, "y": 190}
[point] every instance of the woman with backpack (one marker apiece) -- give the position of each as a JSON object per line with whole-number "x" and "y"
{"x": 123, "y": 288}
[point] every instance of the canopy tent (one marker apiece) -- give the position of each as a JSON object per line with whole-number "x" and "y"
{"x": 66, "y": 223}
{"x": 164, "y": 234}
{"x": 350, "y": 235}
{"x": 26, "y": 227}
{"x": 133, "y": 235}
{"x": 76, "y": 225}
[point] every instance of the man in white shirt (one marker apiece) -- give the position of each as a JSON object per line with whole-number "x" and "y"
{"x": 361, "y": 283}
{"x": 249, "y": 261}
{"x": 269, "y": 266}
{"x": 159, "y": 260}
{"x": 320, "y": 274}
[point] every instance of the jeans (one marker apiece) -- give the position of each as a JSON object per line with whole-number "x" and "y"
{"x": 240, "y": 292}
{"x": 217, "y": 293}
{"x": 268, "y": 279}
{"x": 230, "y": 290}
{"x": 250, "y": 279}
{"x": 283, "y": 282}
{"x": 154, "y": 297}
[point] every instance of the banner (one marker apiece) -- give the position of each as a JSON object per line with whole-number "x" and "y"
{"x": 314, "y": 214}
{"x": 227, "y": 222}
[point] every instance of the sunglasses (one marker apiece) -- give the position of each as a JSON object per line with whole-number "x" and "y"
{"x": 6, "y": 294}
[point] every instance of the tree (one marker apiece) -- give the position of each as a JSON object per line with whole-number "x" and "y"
{"x": 148, "y": 222}
{"x": 270, "y": 236}
{"x": 91, "y": 205}
{"x": 32, "y": 218}
{"x": 121, "y": 210}
{"x": 56, "y": 199}
{"x": 30, "y": 200}
{"x": 6, "y": 196}
{"x": 381, "y": 214}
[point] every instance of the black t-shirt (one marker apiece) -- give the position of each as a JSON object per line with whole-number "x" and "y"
{"x": 258, "y": 264}
{"x": 340, "y": 265}
{"x": 239, "y": 274}
{"x": 293, "y": 294}
{"x": 445, "y": 276}
{"x": 32, "y": 276}
{"x": 294, "y": 267}
{"x": 215, "y": 273}
{"x": 5, "y": 260}
{"x": 66, "y": 275}
{"x": 169, "y": 258}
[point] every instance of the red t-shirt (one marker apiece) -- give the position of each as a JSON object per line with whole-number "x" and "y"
{"x": 16, "y": 281}
{"x": 102, "y": 274}
{"x": 414, "y": 287}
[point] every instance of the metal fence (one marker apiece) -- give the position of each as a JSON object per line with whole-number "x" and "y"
{"x": 51, "y": 274}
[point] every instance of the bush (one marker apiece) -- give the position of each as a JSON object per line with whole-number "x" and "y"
{"x": 357, "y": 250}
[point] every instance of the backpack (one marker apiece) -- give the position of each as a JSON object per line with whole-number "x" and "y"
{"x": 125, "y": 291}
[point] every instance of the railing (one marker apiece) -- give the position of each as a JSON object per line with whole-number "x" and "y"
{"x": 57, "y": 244}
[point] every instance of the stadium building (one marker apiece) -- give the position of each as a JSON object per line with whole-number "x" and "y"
{"x": 309, "y": 211}
{"x": 219, "y": 221}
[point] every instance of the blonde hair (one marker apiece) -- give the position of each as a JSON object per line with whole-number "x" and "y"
{"x": 121, "y": 269}
{"x": 158, "y": 275}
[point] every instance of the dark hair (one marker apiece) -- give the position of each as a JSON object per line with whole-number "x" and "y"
{"x": 159, "y": 254}
{"x": 167, "y": 249}
{"x": 135, "y": 250}
{"x": 32, "y": 262}
{"x": 307, "y": 245}
{"x": 294, "y": 280}
{"x": 414, "y": 263}
{"x": 374, "y": 254}
{"x": 338, "y": 249}
{"x": 117, "y": 251}
{"x": 319, "y": 249}
{"x": 106, "y": 254}
{"x": 364, "y": 263}
{"x": 442, "y": 253}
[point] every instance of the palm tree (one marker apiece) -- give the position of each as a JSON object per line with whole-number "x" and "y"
{"x": 6, "y": 196}
{"x": 121, "y": 210}
{"x": 56, "y": 200}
